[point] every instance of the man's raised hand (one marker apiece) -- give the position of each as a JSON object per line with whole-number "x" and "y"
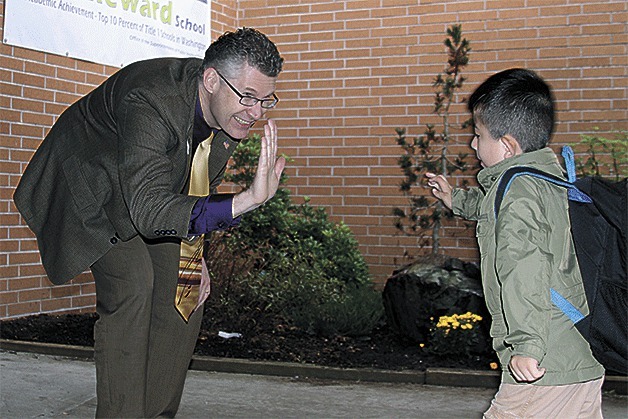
{"x": 269, "y": 169}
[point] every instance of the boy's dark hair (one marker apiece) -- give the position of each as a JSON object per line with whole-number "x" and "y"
{"x": 516, "y": 102}
{"x": 249, "y": 46}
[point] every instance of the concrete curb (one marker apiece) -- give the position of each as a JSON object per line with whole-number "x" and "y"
{"x": 432, "y": 376}
{"x": 289, "y": 369}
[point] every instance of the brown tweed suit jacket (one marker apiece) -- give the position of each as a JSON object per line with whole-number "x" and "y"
{"x": 115, "y": 165}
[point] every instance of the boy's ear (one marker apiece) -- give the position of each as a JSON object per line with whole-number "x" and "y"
{"x": 511, "y": 146}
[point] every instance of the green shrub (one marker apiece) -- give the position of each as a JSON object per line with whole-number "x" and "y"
{"x": 355, "y": 313}
{"x": 288, "y": 260}
{"x": 604, "y": 157}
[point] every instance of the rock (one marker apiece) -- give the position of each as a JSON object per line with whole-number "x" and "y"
{"x": 419, "y": 293}
{"x": 453, "y": 264}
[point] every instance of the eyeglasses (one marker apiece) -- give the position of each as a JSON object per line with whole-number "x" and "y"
{"x": 250, "y": 100}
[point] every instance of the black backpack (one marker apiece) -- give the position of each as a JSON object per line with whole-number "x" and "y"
{"x": 598, "y": 215}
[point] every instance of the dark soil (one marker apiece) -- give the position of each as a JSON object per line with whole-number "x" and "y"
{"x": 268, "y": 339}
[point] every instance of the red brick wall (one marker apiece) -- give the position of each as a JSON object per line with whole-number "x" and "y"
{"x": 355, "y": 71}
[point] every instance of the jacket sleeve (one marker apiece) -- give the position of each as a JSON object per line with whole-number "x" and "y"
{"x": 147, "y": 171}
{"x": 466, "y": 202}
{"x": 213, "y": 212}
{"x": 524, "y": 266}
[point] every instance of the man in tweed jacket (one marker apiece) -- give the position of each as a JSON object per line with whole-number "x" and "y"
{"x": 107, "y": 190}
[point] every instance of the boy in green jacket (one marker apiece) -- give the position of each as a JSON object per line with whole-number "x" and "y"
{"x": 548, "y": 369}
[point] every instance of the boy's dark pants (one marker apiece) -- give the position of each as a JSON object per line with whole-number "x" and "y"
{"x": 142, "y": 345}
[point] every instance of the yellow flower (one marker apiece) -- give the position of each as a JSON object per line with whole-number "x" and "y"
{"x": 457, "y": 321}
{"x": 421, "y": 345}
{"x": 493, "y": 365}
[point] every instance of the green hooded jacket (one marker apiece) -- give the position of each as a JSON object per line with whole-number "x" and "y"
{"x": 524, "y": 253}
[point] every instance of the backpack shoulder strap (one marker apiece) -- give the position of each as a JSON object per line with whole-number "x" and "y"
{"x": 511, "y": 174}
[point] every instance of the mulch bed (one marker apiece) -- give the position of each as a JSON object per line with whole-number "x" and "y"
{"x": 268, "y": 340}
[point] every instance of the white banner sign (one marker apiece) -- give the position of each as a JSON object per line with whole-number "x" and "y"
{"x": 112, "y": 32}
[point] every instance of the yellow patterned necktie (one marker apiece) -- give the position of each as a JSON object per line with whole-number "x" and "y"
{"x": 193, "y": 286}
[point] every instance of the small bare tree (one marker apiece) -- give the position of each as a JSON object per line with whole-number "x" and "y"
{"x": 429, "y": 153}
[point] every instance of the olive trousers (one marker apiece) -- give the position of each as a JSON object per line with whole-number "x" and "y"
{"x": 143, "y": 347}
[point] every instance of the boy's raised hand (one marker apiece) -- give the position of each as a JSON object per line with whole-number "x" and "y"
{"x": 525, "y": 369}
{"x": 441, "y": 188}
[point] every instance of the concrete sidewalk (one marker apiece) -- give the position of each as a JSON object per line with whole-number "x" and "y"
{"x": 37, "y": 385}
